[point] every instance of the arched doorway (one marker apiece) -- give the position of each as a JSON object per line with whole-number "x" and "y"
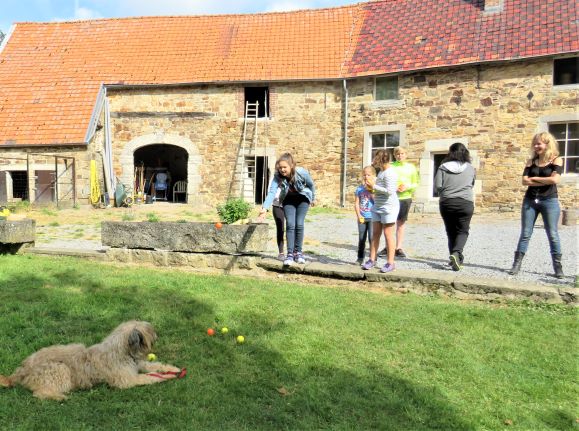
{"x": 162, "y": 158}
{"x": 189, "y": 160}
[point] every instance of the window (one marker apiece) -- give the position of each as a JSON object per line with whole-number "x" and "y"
{"x": 567, "y": 135}
{"x": 386, "y": 140}
{"x": 565, "y": 71}
{"x": 386, "y": 88}
{"x": 259, "y": 95}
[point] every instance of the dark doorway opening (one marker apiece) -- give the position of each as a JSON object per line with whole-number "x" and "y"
{"x": 169, "y": 160}
{"x": 258, "y": 179}
{"x": 261, "y": 95}
{"x": 19, "y": 185}
{"x": 438, "y": 158}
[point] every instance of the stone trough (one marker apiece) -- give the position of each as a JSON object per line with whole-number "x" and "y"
{"x": 17, "y": 234}
{"x": 193, "y": 244}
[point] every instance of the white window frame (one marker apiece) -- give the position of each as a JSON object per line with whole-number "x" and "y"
{"x": 564, "y": 156}
{"x": 376, "y": 130}
{"x": 572, "y": 117}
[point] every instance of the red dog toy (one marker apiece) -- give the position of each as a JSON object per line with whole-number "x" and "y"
{"x": 162, "y": 375}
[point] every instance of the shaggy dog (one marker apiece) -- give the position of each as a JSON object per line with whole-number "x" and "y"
{"x": 54, "y": 371}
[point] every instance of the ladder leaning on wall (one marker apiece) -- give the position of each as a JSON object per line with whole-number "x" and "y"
{"x": 247, "y": 173}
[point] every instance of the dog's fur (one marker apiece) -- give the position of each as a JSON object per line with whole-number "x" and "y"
{"x": 54, "y": 371}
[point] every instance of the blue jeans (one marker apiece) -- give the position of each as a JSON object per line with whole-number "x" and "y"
{"x": 295, "y": 210}
{"x": 550, "y": 210}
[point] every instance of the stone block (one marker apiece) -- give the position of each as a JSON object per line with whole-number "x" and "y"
{"x": 17, "y": 234}
{"x": 186, "y": 237}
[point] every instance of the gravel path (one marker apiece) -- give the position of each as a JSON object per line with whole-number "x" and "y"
{"x": 333, "y": 239}
{"x": 488, "y": 253}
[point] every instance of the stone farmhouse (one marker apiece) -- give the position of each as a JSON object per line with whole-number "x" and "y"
{"x": 212, "y": 101}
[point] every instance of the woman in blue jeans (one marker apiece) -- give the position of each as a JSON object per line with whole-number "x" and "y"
{"x": 542, "y": 174}
{"x": 297, "y": 193}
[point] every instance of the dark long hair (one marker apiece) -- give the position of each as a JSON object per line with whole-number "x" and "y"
{"x": 457, "y": 152}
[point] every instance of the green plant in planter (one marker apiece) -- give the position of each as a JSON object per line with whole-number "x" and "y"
{"x": 233, "y": 210}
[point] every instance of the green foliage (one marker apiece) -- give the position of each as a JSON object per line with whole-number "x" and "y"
{"x": 49, "y": 212}
{"x": 128, "y": 216}
{"x": 54, "y": 224}
{"x": 315, "y": 357}
{"x": 233, "y": 210}
{"x": 152, "y": 217}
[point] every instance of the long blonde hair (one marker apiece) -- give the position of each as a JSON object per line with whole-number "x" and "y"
{"x": 552, "y": 151}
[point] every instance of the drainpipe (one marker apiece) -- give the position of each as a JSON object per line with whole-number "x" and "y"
{"x": 345, "y": 149}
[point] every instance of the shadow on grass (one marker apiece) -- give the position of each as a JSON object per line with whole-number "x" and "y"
{"x": 229, "y": 386}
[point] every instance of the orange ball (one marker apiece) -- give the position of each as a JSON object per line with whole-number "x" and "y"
{"x": 218, "y": 225}
{"x": 210, "y": 332}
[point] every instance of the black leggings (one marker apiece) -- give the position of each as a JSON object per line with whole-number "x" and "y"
{"x": 279, "y": 217}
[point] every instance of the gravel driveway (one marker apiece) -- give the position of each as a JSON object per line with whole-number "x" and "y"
{"x": 333, "y": 238}
{"x": 488, "y": 253}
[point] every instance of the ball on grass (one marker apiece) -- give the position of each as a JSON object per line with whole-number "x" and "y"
{"x": 211, "y": 332}
{"x": 240, "y": 339}
{"x": 151, "y": 357}
{"x": 224, "y": 330}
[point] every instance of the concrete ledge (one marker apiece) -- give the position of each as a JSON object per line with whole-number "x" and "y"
{"x": 87, "y": 254}
{"x": 422, "y": 282}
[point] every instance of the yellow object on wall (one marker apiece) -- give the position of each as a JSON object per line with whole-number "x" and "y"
{"x": 95, "y": 190}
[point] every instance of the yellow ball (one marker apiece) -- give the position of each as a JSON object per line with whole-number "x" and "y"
{"x": 151, "y": 357}
{"x": 224, "y": 330}
{"x": 240, "y": 339}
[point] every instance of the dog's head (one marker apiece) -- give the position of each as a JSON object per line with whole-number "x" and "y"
{"x": 138, "y": 337}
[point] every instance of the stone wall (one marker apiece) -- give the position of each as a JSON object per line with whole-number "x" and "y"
{"x": 487, "y": 107}
{"x": 494, "y": 109}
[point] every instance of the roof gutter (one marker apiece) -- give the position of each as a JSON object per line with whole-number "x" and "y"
{"x": 345, "y": 147}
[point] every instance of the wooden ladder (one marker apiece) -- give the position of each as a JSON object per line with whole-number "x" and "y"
{"x": 248, "y": 143}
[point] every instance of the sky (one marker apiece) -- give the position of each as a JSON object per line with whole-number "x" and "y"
{"x": 12, "y": 11}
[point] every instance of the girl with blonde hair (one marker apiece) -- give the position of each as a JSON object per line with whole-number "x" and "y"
{"x": 541, "y": 174}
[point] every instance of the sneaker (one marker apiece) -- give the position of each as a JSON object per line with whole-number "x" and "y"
{"x": 455, "y": 262}
{"x": 383, "y": 253}
{"x": 281, "y": 256}
{"x": 388, "y": 268}
{"x": 399, "y": 253}
{"x": 289, "y": 260}
{"x": 360, "y": 260}
{"x": 368, "y": 265}
{"x": 300, "y": 258}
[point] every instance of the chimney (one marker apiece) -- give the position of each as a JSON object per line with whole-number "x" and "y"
{"x": 493, "y": 6}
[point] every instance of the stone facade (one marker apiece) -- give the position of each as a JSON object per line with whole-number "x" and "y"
{"x": 494, "y": 109}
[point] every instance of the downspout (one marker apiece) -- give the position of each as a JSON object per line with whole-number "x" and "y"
{"x": 345, "y": 148}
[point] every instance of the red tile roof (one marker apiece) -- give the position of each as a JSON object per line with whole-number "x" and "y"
{"x": 50, "y": 73}
{"x": 404, "y": 35}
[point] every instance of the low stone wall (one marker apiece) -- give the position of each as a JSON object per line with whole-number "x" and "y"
{"x": 186, "y": 237}
{"x": 205, "y": 262}
{"x": 14, "y": 235}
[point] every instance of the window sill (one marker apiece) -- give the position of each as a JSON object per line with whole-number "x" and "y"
{"x": 566, "y": 87}
{"x": 392, "y": 103}
{"x": 567, "y": 179}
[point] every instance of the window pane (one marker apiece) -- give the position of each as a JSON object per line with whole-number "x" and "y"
{"x": 387, "y": 88}
{"x": 378, "y": 141}
{"x": 572, "y": 148}
{"x": 573, "y": 130}
{"x": 572, "y": 165}
{"x": 392, "y": 139}
{"x": 559, "y": 131}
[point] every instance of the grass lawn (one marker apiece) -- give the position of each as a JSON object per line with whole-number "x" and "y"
{"x": 315, "y": 357}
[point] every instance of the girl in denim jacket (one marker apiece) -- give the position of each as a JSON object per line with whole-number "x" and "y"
{"x": 297, "y": 193}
